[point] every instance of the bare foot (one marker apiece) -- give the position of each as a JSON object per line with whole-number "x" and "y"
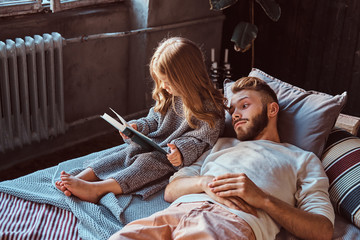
{"x": 85, "y": 190}
{"x": 60, "y": 185}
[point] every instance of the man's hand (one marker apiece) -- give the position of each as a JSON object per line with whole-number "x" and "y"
{"x": 174, "y": 156}
{"x": 302, "y": 224}
{"x": 238, "y": 185}
{"x": 229, "y": 201}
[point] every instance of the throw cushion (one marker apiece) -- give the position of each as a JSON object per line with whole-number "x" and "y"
{"x": 341, "y": 161}
{"x": 306, "y": 117}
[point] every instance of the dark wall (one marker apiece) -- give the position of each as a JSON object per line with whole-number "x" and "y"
{"x": 95, "y": 72}
{"x": 315, "y": 45}
{"x": 113, "y": 72}
{"x": 110, "y": 72}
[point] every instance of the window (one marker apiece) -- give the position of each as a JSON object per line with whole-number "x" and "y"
{"x": 60, "y": 5}
{"x": 17, "y": 7}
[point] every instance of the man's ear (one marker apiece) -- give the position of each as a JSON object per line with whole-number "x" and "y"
{"x": 273, "y": 109}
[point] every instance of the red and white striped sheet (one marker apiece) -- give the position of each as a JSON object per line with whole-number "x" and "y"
{"x": 22, "y": 219}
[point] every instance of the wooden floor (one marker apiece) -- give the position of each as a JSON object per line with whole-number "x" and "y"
{"x": 49, "y": 160}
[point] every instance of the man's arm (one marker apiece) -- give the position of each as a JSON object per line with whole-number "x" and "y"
{"x": 185, "y": 185}
{"x": 302, "y": 224}
{"x": 200, "y": 184}
{"x": 187, "y": 180}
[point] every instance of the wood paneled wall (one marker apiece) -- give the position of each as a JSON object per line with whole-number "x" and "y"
{"x": 315, "y": 45}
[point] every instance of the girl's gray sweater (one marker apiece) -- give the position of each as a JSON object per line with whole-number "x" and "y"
{"x": 145, "y": 173}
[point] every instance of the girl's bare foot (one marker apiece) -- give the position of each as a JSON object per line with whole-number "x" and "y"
{"x": 60, "y": 185}
{"x": 85, "y": 190}
{"x": 87, "y": 175}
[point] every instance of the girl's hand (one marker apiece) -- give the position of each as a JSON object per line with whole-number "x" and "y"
{"x": 174, "y": 156}
{"x": 133, "y": 125}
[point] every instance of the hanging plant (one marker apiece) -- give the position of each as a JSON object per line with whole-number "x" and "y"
{"x": 245, "y": 33}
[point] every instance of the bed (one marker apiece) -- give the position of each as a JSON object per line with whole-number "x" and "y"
{"x": 32, "y": 208}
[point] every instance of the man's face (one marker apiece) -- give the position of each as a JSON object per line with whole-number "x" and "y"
{"x": 249, "y": 116}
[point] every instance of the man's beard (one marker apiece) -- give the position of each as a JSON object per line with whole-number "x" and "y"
{"x": 259, "y": 122}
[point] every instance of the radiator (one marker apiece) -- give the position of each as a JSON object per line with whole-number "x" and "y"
{"x": 31, "y": 90}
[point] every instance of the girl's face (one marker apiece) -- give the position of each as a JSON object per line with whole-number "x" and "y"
{"x": 165, "y": 84}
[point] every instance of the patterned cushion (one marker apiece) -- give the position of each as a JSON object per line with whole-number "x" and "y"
{"x": 341, "y": 161}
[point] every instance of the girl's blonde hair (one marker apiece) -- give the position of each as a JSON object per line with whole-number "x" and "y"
{"x": 182, "y": 62}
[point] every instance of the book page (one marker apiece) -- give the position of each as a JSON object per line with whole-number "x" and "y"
{"x": 121, "y": 119}
{"x": 113, "y": 122}
{"x": 135, "y": 135}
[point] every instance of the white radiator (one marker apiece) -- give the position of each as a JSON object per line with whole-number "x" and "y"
{"x": 31, "y": 90}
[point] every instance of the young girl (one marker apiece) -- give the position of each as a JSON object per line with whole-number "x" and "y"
{"x": 186, "y": 120}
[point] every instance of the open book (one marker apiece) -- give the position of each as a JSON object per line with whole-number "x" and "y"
{"x": 135, "y": 136}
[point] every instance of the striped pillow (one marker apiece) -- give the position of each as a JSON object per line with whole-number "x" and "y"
{"x": 341, "y": 161}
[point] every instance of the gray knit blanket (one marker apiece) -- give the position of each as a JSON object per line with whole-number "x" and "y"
{"x": 95, "y": 221}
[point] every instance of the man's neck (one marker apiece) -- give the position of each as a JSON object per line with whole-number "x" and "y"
{"x": 270, "y": 135}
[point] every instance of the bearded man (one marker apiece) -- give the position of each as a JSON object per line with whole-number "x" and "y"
{"x": 245, "y": 188}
